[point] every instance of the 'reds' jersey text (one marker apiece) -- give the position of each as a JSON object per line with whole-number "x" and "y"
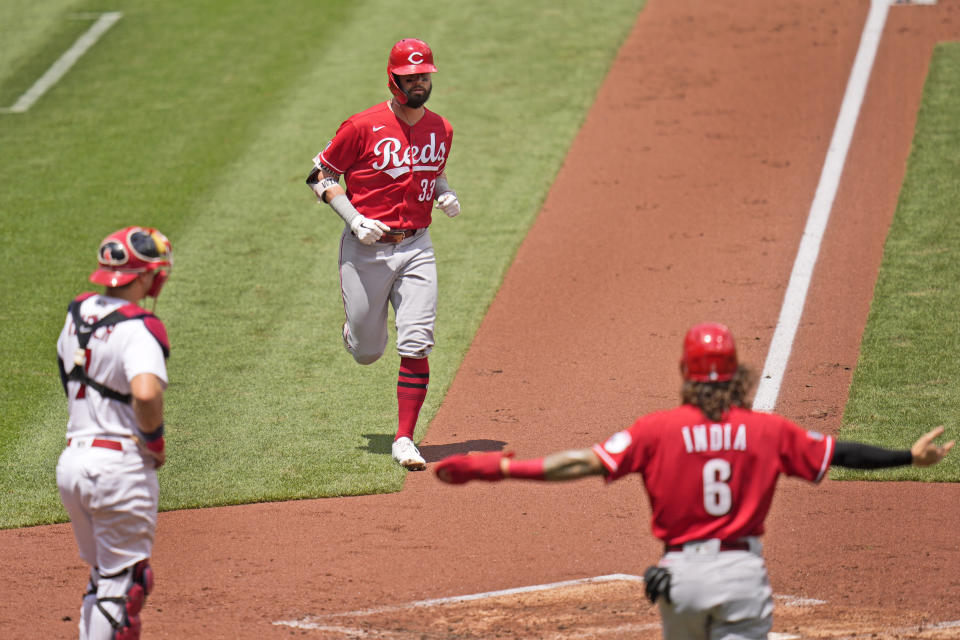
{"x": 390, "y": 168}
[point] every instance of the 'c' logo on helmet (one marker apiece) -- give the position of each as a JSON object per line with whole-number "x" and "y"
{"x": 415, "y": 58}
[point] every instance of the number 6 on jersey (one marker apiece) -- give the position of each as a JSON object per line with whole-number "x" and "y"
{"x": 717, "y": 497}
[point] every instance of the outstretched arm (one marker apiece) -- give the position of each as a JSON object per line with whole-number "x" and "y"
{"x": 572, "y": 464}
{"x": 923, "y": 453}
{"x": 562, "y": 465}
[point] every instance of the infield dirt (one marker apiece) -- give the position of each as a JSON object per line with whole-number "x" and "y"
{"x": 683, "y": 199}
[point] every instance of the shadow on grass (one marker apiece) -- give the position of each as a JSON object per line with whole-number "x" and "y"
{"x": 381, "y": 442}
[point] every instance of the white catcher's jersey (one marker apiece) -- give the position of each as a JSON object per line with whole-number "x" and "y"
{"x": 115, "y": 355}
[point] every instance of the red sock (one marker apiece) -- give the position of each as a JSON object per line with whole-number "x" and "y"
{"x": 411, "y": 391}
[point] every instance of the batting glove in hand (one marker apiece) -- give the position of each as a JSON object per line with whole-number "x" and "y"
{"x": 367, "y": 231}
{"x": 479, "y": 466}
{"x": 449, "y": 204}
{"x": 657, "y": 583}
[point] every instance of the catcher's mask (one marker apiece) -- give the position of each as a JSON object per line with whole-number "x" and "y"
{"x": 709, "y": 353}
{"x": 408, "y": 57}
{"x": 125, "y": 254}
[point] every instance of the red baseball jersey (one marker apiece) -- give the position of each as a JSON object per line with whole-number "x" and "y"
{"x": 713, "y": 479}
{"x": 389, "y": 167}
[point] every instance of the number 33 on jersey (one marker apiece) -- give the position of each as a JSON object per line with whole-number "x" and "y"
{"x": 390, "y": 168}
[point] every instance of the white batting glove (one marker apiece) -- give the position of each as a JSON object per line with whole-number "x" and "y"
{"x": 449, "y": 204}
{"x": 367, "y": 231}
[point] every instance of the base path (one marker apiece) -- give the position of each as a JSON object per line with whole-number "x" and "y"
{"x": 683, "y": 199}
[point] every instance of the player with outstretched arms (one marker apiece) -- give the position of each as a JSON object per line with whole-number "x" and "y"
{"x": 710, "y": 468}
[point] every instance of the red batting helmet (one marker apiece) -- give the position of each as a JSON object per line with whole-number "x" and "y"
{"x": 408, "y": 57}
{"x": 126, "y": 253}
{"x": 709, "y": 354}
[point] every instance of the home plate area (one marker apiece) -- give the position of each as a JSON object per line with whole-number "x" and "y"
{"x": 609, "y": 607}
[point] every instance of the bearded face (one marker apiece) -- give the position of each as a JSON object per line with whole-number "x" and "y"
{"x": 417, "y": 88}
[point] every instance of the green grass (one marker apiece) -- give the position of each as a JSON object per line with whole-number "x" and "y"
{"x": 203, "y": 121}
{"x": 907, "y": 379}
{"x": 32, "y": 35}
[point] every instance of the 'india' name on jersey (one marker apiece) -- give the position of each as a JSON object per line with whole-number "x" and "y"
{"x": 395, "y": 163}
{"x": 715, "y": 437}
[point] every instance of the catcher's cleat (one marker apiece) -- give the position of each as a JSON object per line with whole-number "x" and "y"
{"x": 407, "y": 455}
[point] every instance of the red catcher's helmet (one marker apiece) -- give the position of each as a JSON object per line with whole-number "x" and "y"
{"x": 709, "y": 354}
{"x": 126, "y": 253}
{"x": 408, "y": 57}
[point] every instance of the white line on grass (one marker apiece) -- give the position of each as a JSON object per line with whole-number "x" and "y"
{"x": 773, "y": 370}
{"x": 63, "y": 64}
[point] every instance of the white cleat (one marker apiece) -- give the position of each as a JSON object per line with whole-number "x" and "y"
{"x": 407, "y": 455}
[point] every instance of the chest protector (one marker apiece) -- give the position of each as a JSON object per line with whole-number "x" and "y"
{"x": 85, "y": 331}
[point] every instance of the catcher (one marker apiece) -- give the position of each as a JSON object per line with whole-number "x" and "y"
{"x": 112, "y": 358}
{"x": 710, "y": 467}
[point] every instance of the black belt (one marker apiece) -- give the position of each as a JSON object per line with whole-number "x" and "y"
{"x": 396, "y": 235}
{"x": 731, "y": 545}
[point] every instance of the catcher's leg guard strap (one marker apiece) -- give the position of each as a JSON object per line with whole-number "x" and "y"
{"x": 128, "y": 589}
{"x": 89, "y": 603}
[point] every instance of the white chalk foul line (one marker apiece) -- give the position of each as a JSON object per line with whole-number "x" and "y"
{"x": 321, "y": 623}
{"x": 934, "y": 626}
{"x": 356, "y": 632}
{"x": 794, "y": 601}
{"x": 63, "y": 64}
{"x": 310, "y": 622}
{"x": 773, "y": 370}
{"x": 353, "y": 632}
{"x": 952, "y": 624}
{"x": 599, "y": 633}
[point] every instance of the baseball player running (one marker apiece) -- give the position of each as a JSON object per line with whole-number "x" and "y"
{"x": 392, "y": 157}
{"x": 710, "y": 467}
{"x": 112, "y": 357}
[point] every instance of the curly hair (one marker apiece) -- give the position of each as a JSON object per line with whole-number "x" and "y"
{"x": 715, "y": 398}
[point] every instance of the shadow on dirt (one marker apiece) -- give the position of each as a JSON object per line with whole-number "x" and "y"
{"x": 380, "y": 443}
